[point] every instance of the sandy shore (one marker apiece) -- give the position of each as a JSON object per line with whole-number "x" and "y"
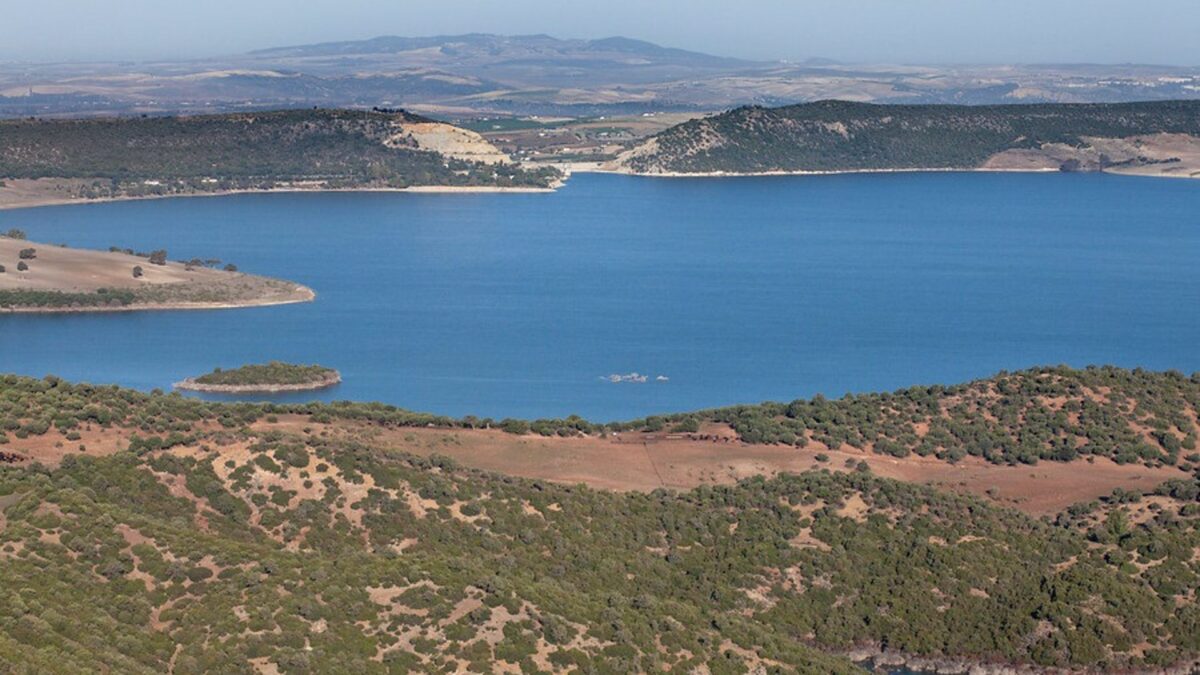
{"x": 452, "y": 189}
{"x": 190, "y": 384}
{"x": 300, "y": 294}
{"x": 841, "y": 172}
{"x": 882, "y": 661}
{"x": 19, "y": 195}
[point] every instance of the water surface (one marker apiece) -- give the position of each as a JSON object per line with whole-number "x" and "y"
{"x": 737, "y": 290}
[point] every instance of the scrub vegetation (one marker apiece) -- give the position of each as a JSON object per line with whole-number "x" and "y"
{"x": 209, "y": 542}
{"x": 64, "y": 300}
{"x": 152, "y": 156}
{"x": 846, "y": 136}
{"x": 1056, "y": 414}
{"x": 275, "y": 372}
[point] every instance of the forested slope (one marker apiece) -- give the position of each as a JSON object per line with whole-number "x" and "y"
{"x": 165, "y": 155}
{"x": 846, "y": 136}
{"x": 208, "y": 542}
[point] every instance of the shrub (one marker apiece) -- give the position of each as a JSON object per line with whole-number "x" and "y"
{"x": 515, "y": 426}
{"x": 137, "y": 272}
{"x": 27, "y": 254}
{"x": 22, "y": 266}
{"x": 15, "y": 233}
{"x": 158, "y": 257}
{"x": 688, "y": 425}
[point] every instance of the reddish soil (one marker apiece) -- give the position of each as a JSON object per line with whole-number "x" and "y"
{"x": 638, "y": 461}
{"x": 635, "y": 461}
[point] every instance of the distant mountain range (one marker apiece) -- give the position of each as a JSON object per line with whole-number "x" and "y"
{"x": 480, "y": 74}
{"x": 492, "y": 49}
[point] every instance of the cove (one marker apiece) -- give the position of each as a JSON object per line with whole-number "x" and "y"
{"x": 736, "y": 290}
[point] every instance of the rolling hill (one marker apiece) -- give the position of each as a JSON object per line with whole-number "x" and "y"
{"x": 475, "y": 75}
{"x": 1156, "y": 137}
{"x": 150, "y": 532}
{"x": 146, "y": 156}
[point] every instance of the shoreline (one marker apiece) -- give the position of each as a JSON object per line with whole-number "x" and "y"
{"x": 876, "y": 660}
{"x": 190, "y": 384}
{"x": 568, "y": 170}
{"x": 302, "y": 294}
{"x": 416, "y": 189}
{"x": 843, "y": 172}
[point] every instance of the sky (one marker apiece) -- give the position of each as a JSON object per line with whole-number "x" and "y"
{"x": 892, "y": 31}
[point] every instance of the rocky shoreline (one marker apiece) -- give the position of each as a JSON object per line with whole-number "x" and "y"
{"x": 878, "y": 661}
{"x": 190, "y": 384}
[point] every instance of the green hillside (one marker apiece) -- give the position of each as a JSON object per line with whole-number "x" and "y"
{"x": 210, "y": 544}
{"x": 841, "y": 136}
{"x": 165, "y": 155}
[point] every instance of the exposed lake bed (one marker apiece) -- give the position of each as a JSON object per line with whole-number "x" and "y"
{"x": 740, "y": 289}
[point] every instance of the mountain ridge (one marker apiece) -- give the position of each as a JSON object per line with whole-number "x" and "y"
{"x": 486, "y": 74}
{"x": 398, "y": 43}
{"x": 1160, "y": 137}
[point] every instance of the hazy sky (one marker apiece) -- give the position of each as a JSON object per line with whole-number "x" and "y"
{"x": 909, "y": 31}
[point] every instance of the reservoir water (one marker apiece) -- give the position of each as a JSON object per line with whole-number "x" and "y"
{"x": 734, "y": 290}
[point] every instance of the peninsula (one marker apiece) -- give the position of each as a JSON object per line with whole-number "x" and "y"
{"x": 273, "y": 377}
{"x": 42, "y": 278}
{"x": 63, "y": 161}
{"x": 1153, "y": 138}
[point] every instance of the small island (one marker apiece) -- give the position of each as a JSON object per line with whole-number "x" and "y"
{"x": 273, "y": 377}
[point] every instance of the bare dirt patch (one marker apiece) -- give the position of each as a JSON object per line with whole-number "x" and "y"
{"x": 1172, "y": 155}
{"x": 642, "y": 462}
{"x": 168, "y": 286}
{"x": 51, "y": 447}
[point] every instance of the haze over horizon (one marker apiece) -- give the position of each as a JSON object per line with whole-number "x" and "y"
{"x": 918, "y": 31}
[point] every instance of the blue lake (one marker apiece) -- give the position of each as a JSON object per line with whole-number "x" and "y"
{"x": 737, "y": 290}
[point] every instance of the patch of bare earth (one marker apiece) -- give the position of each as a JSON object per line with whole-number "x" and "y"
{"x": 25, "y": 192}
{"x": 448, "y": 140}
{"x": 643, "y": 462}
{"x": 1173, "y": 155}
{"x": 172, "y": 285}
{"x": 51, "y": 447}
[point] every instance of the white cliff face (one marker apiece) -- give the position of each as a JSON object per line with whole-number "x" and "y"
{"x": 448, "y": 140}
